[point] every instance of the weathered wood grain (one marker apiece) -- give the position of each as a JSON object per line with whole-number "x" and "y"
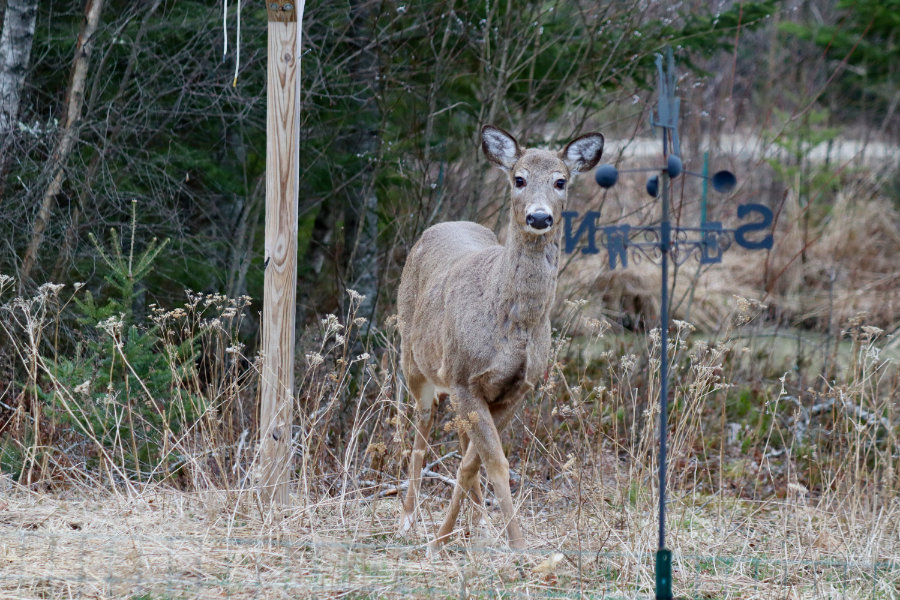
{"x": 280, "y": 286}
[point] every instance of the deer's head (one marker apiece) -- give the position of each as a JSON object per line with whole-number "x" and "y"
{"x": 539, "y": 179}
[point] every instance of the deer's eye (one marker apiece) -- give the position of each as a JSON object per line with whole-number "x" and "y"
{"x": 560, "y": 184}
{"x": 520, "y": 182}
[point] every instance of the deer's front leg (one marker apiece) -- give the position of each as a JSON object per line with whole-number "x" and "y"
{"x": 466, "y": 477}
{"x": 484, "y": 440}
{"x": 476, "y": 494}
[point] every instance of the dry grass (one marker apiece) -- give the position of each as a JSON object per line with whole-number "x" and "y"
{"x": 754, "y": 513}
{"x": 161, "y": 543}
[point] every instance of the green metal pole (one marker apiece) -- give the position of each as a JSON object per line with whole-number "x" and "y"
{"x": 664, "y": 556}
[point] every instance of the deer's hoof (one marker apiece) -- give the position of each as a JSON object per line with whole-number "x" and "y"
{"x": 517, "y": 544}
{"x": 433, "y": 549}
{"x": 406, "y": 522}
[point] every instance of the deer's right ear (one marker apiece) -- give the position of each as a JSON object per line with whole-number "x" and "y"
{"x": 499, "y": 147}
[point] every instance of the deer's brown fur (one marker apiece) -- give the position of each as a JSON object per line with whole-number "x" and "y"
{"x": 475, "y": 316}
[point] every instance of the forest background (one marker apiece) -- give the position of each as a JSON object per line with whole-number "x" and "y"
{"x": 132, "y": 186}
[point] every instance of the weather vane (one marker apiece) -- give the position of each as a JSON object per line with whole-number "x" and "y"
{"x": 662, "y": 243}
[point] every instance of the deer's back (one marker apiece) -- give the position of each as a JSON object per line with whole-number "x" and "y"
{"x": 441, "y": 250}
{"x": 449, "y": 263}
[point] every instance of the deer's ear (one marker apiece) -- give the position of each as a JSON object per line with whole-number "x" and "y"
{"x": 499, "y": 147}
{"x": 583, "y": 153}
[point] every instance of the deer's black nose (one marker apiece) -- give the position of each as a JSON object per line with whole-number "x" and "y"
{"x": 539, "y": 220}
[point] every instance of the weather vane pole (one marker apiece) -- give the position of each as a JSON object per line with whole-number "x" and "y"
{"x": 665, "y": 243}
{"x": 666, "y": 120}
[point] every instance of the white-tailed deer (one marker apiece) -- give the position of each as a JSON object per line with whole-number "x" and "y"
{"x": 475, "y": 317}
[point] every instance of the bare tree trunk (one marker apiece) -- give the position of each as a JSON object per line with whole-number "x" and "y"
{"x": 242, "y": 243}
{"x": 15, "y": 53}
{"x": 361, "y": 213}
{"x": 68, "y": 135}
{"x": 72, "y": 230}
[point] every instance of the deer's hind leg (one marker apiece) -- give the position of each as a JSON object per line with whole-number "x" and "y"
{"x": 422, "y": 392}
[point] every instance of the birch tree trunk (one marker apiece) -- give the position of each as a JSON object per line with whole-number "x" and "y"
{"x": 15, "y": 53}
{"x": 67, "y": 137}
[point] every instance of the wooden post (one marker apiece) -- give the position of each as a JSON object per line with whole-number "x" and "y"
{"x": 280, "y": 287}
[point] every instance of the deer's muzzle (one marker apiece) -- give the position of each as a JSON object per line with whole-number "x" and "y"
{"x": 539, "y": 221}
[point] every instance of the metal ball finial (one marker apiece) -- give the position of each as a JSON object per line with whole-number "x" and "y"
{"x": 653, "y": 186}
{"x": 724, "y": 182}
{"x": 674, "y": 166}
{"x": 606, "y": 176}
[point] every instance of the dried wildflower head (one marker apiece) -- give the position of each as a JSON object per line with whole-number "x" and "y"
{"x": 314, "y": 359}
{"x": 5, "y": 280}
{"x": 747, "y": 310}
{"x": 210, "y": 324}
{"x": 355, "y": 297}
{"x": 462, "y": 423}
{"x": 113, "y": 325}
{"x": 870, "y": 332}
{"x": 598, "y": 327}
{"x": 855, "y": 327}
{"x": 376, "y": 449}
{"x": 566, "y": 411}
{"x": 701, "y": 347}
{"x": 215, "y": 300}
{"x": 50, "y": 289}
{"x": 193, "y": 299}
{"x": 575, "y": 394}
{"x": 683, "y": 327}
{"x": 331, "y": 324}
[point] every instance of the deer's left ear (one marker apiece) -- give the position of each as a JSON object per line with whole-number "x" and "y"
{"x": 583, "y": 153}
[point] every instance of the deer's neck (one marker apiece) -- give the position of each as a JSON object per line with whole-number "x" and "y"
{"x": 530, "y": 268}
